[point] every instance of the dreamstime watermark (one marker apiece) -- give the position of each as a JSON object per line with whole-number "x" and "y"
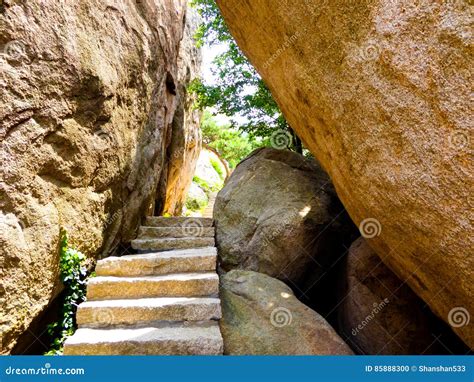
{"x": 103, "y": 317}
{"x": 102, "y": 140}
{"x": 368, "y": 51}
{"x": 289, "y": 41}
{"x": 458, "y": 317}
{"x": 281, "y": 317}
{"x": 193, "y": 227}
{"x": 377, "y": 308}
{"x": 15, "y": 49}
{"x": 290, "y": 219}
{"x": 370, "y": 228}
{"x": 44, "y": 370}
{"x": 281, "y": 139}
{"x": 459, "y": 140}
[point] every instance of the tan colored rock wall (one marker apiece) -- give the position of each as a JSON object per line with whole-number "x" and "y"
{"x": 380, "y": 93}
{"x": 186, "y": 142}
{"x": 88, "y": 98}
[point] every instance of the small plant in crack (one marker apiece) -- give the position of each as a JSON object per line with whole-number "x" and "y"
{"x": 73, "y": 275}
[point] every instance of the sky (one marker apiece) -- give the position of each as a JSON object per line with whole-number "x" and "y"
{"x": 209, "y": 53}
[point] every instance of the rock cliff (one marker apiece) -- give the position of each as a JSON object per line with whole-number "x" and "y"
{"x": 183, "y": 152}
{"x": 92, "y": 100}
{"x": 379, "y": 91}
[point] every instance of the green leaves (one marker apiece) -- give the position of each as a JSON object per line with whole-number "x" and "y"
{"x": 73, "y": 275}
{"x": 240, "y": 92}
{"x": 229, "y": 142}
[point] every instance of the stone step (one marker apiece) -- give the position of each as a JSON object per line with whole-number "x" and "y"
{"x": 174, "y": 285}
{"x": 147, "y": 310}
{"x": 173, "y": 340}
{"x": 178, "y": 261}
{"x": 165, "y": 244}
{"x": 154, "y": 232}
{"x": 177, "y": 221}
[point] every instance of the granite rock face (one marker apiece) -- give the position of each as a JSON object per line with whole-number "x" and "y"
{"x": 186, "y": 142}
{"x": 380, "y": 94}
{"x": 275, "y": 214}
{"x": 91, "y": 93}
{"x": 379, "y": 313}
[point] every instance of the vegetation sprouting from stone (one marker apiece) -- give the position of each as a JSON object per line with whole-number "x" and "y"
{"x": 73, "y": 275}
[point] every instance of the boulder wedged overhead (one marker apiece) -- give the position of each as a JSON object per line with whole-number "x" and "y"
{"x": 89, "y": 96}
{"x": 379, "y": 92}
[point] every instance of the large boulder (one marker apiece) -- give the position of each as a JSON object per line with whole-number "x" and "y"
{"x": 380, "y": 314}
{"x": 379, "y": 92}
{"x": 260, "y": 315}
{"x": 196, "y": 198}
{"x": 210, "y": 169}
{"x": 274, "y": 214}
{"x": 208, "y": 178}
{"x": 89, "y": 95}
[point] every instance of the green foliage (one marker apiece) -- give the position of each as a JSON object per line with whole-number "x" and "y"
{"x": 196, "y": 202}
{"x": 240, "y": 92}
{"x": 73, "y": 276}
{"x": 217, "y": 167}
{"x": 195, "y": 205}
{"x": 205, "y": 185}
{"x": 232, "y": 145}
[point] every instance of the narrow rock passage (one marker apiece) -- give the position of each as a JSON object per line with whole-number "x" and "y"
{"x": 162, "y": 302}
{"x": 209, "y": 210}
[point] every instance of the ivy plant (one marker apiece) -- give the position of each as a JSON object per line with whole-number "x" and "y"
{"x": 73, "y": 275}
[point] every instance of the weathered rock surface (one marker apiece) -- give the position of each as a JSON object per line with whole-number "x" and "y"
{"x": 205, "y": 168}
{"x": 89, "y": 96}
{"x": 380, "y": 93}
{"x": 196, "y": 198}
{"x": 274, "y": 213}
{"x": 260, "y": 315}
{"x": 186, "y": 137}
{"x": 379, "y": 314}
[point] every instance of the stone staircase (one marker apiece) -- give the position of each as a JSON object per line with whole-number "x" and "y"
{"x": 163, "y": 300}
{"x": 209, "y": 210}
